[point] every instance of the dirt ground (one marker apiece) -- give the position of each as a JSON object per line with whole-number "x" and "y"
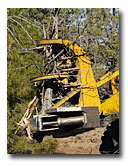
{"x": 85, "y": 143}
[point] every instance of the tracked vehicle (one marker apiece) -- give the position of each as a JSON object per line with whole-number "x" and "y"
{"x": 68, "y": 95}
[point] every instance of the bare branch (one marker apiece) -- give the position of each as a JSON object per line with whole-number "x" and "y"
{"x": 24, "y": 30}
{"x": 55, "y": 24}
{"x": 24, "y": 19}
{"x": 26, "y": 66}
{"x": 56, "y": 56}
{"x": 14, "y": 37}
{"x": 44, "y": 32}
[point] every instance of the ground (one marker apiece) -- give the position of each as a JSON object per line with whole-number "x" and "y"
{"x": 85, "y": 143}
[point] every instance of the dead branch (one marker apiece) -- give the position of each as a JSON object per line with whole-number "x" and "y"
{"x": 56, "y": 56}
{"x": 24, "y": 30}
{"x": 14, "y": 37}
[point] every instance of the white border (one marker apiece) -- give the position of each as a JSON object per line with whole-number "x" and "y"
{"x": 3, "y": 82}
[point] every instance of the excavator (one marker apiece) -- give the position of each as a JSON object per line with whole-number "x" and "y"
{"x": 68, "y": 99}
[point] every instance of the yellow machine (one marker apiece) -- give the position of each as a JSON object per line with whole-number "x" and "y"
{"x": 85, "y": 82}
{"x": 68, "y": 92}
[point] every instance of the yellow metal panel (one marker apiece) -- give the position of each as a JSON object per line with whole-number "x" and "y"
{"x": 107, "y": 78}
{"x": 73, "y": 46}
{"x": 103, "y": 77}
{"x": 89, "y": 94}
{"x": 88, "y": 90}
{"x": 49, "y": 77}
{"x": 114, "y": 86}
{"x": 111, "y": 105}
{"x": 71, "y": 69}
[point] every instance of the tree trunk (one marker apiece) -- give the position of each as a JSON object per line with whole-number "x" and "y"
{"x": 47, "y": 102}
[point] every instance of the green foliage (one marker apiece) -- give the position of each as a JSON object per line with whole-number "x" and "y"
{"x": 26, "y": 146}
{"x": 21, "y": 67}
{"x": 113, "y": 117}
{"x": 47, "y": 146}
{"x": 18, "y": 146}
